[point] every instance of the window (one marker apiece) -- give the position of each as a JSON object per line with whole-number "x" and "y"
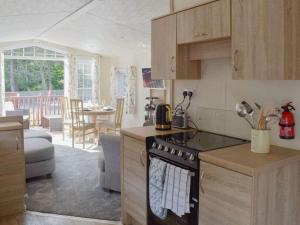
{"x": 32, "y": 52}
{"x": 85, "y": 80}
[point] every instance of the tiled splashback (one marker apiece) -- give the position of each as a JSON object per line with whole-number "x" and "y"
{"x": 213, "y": 103}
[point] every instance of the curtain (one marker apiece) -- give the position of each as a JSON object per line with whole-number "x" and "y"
{"x": 2, "y": 83}
{"x": 97, "y": 80}
{"x": 70, "y": 77}
{"x": 131, "y": 90}
{"x": 123, "y": 84}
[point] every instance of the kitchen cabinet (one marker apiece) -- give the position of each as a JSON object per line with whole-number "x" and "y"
{"x": 238, "y": 187}
{"x": 206, "y": 22}
{"x": 134, "y": 174}
{"x": 12, "y": 166}
{"x": 163, "y": 46}
{"x": 265, "y": 39}
{"x": 225, "y": 196}
{"x": 168, "y": 60}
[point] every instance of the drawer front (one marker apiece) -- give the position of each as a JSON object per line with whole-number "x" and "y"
{"x": 12, "y": 172}
{"x": 225, "y": 196}
{"x": 204, "y": 23}
{"x": 134, "y": 179}
{"x": 11, "y": 142}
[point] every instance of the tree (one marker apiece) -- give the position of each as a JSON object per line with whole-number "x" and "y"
{"x": 33, "y": 75}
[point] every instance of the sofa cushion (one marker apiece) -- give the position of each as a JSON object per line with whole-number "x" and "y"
{"x": 38, "y": 149}
{"x": 101, "y": 161}
{"x": 37, "y": 134}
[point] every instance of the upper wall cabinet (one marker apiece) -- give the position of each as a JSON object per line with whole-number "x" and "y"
{"x": 170, "y": 61}
{"x": 163, "y": 57}
{"x": 206, "y": 22}
{"x": 266, "y": 39}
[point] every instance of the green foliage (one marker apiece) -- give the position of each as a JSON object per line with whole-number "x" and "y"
{"x": 33, "y": 75}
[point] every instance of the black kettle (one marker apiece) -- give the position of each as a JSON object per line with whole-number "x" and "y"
{"x": 163, "y": 117}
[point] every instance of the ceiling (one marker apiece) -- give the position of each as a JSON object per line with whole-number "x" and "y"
{"x": 108, "y": 27}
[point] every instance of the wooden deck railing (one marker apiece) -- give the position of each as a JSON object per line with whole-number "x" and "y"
{"x": 39, "y": 106}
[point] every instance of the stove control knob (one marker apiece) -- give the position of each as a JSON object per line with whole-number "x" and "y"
{"x": 154, "y": 145}
{"x": 160, "y": 147}
{"x": 166, "y": 149}
{"x": 180, "y": 154}
{"x": 192, "y": 157}
{"x": 173, "y": 151}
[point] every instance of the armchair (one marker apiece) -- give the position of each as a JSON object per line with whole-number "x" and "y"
{"x": 109, "y": 162}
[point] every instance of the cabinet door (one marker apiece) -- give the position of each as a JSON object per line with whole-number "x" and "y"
{"x": 12, "y": 172}
{"x": 265, "y": 39}
{"x": 134, "y": 180}
{"x": 225, "y": 196}
{"x": 206, "y": 22}
{"x": 163, "y": 53}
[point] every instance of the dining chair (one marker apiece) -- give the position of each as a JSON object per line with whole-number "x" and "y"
{"x": 114, "y": 125}
{"x": 79, "y": 126}
{"x": 66, "y": 115}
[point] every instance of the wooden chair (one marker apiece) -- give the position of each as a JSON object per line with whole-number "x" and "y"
{"x": 66, "y": 115}
{"x": 79, "y": 126}
{"x": 116, "y": 124}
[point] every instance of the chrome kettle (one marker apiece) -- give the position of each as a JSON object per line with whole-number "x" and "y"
{"x": 163, "y": 117}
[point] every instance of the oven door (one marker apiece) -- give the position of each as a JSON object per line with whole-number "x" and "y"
{"x": 173, "y": 219}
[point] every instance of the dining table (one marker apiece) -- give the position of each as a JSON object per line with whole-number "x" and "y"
{"x": 92, "y": 114}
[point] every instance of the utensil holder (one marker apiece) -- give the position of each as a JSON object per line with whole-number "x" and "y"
{"x": 260, "y": 141}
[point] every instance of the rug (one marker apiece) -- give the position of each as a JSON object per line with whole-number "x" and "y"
{"x": 74, "y": 188}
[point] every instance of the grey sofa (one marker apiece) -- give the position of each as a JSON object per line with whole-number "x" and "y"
{"x": 39, "y": 154}
{"x": 109, "y": 162}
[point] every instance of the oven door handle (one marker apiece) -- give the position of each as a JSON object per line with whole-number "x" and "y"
{"x": 201, "y": 180}
{"x": 141, "y": 158}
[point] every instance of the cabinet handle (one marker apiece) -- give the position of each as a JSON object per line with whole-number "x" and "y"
{"x": 200, "y": 183}
{"x": 141, "y": 158}
{"x": 17, "y": 140}
{"x": 172, "y": 64}
{"x": 235, "y": 60}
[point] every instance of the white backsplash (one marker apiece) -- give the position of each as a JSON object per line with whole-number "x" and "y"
{"x": 213, "y": 103}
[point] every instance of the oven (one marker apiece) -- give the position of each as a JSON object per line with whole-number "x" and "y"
{"x": 179, "y": 157}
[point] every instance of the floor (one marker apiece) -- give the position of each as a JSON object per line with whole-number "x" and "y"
{"x": 33, "y": 218}
{"x": 64, "y": 193}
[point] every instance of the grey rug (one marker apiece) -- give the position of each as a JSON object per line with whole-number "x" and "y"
{"x": 74, "y": 188}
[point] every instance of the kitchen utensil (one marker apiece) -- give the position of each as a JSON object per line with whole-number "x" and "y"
{"x": 251, "y": 112}
{"x": 258, "y": 106}
{"x": 242, "y": 112}
{"x": 248, "y": 107}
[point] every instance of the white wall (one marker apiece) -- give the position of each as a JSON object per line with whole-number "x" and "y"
{"x": 213, "y": 105}
{"x": 140, "y": 60}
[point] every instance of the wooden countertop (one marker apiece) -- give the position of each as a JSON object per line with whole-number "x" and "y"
{"x": 141, "y": 133}
{"x": 241, "y": 159}
{"x": 6, "y": 126}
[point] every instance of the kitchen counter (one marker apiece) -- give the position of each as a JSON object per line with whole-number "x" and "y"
{"x": 242, "y": 160}
{"x": 141, "y": 133}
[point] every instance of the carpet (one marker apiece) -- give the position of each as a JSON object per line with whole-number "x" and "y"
{"x": 74, "y": 188}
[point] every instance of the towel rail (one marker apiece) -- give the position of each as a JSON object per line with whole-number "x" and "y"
{"x": 191, "y": 174}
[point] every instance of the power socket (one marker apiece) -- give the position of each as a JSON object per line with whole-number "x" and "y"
{"x": 190, "y": 92}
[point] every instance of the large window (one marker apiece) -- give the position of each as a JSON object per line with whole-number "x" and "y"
{"x": 85, "y": 75}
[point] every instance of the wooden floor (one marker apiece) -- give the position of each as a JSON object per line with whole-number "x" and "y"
{"x": 34, "y": 218}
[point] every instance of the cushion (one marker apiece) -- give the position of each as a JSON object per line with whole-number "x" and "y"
{"x": 101, "y": 161}
{"x": 38, "y": 149}
{"x": 37, "y": 134}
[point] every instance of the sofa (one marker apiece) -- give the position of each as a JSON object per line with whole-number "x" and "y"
{"x": 109, "y": 162}
{"x": 39, "y": 154}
